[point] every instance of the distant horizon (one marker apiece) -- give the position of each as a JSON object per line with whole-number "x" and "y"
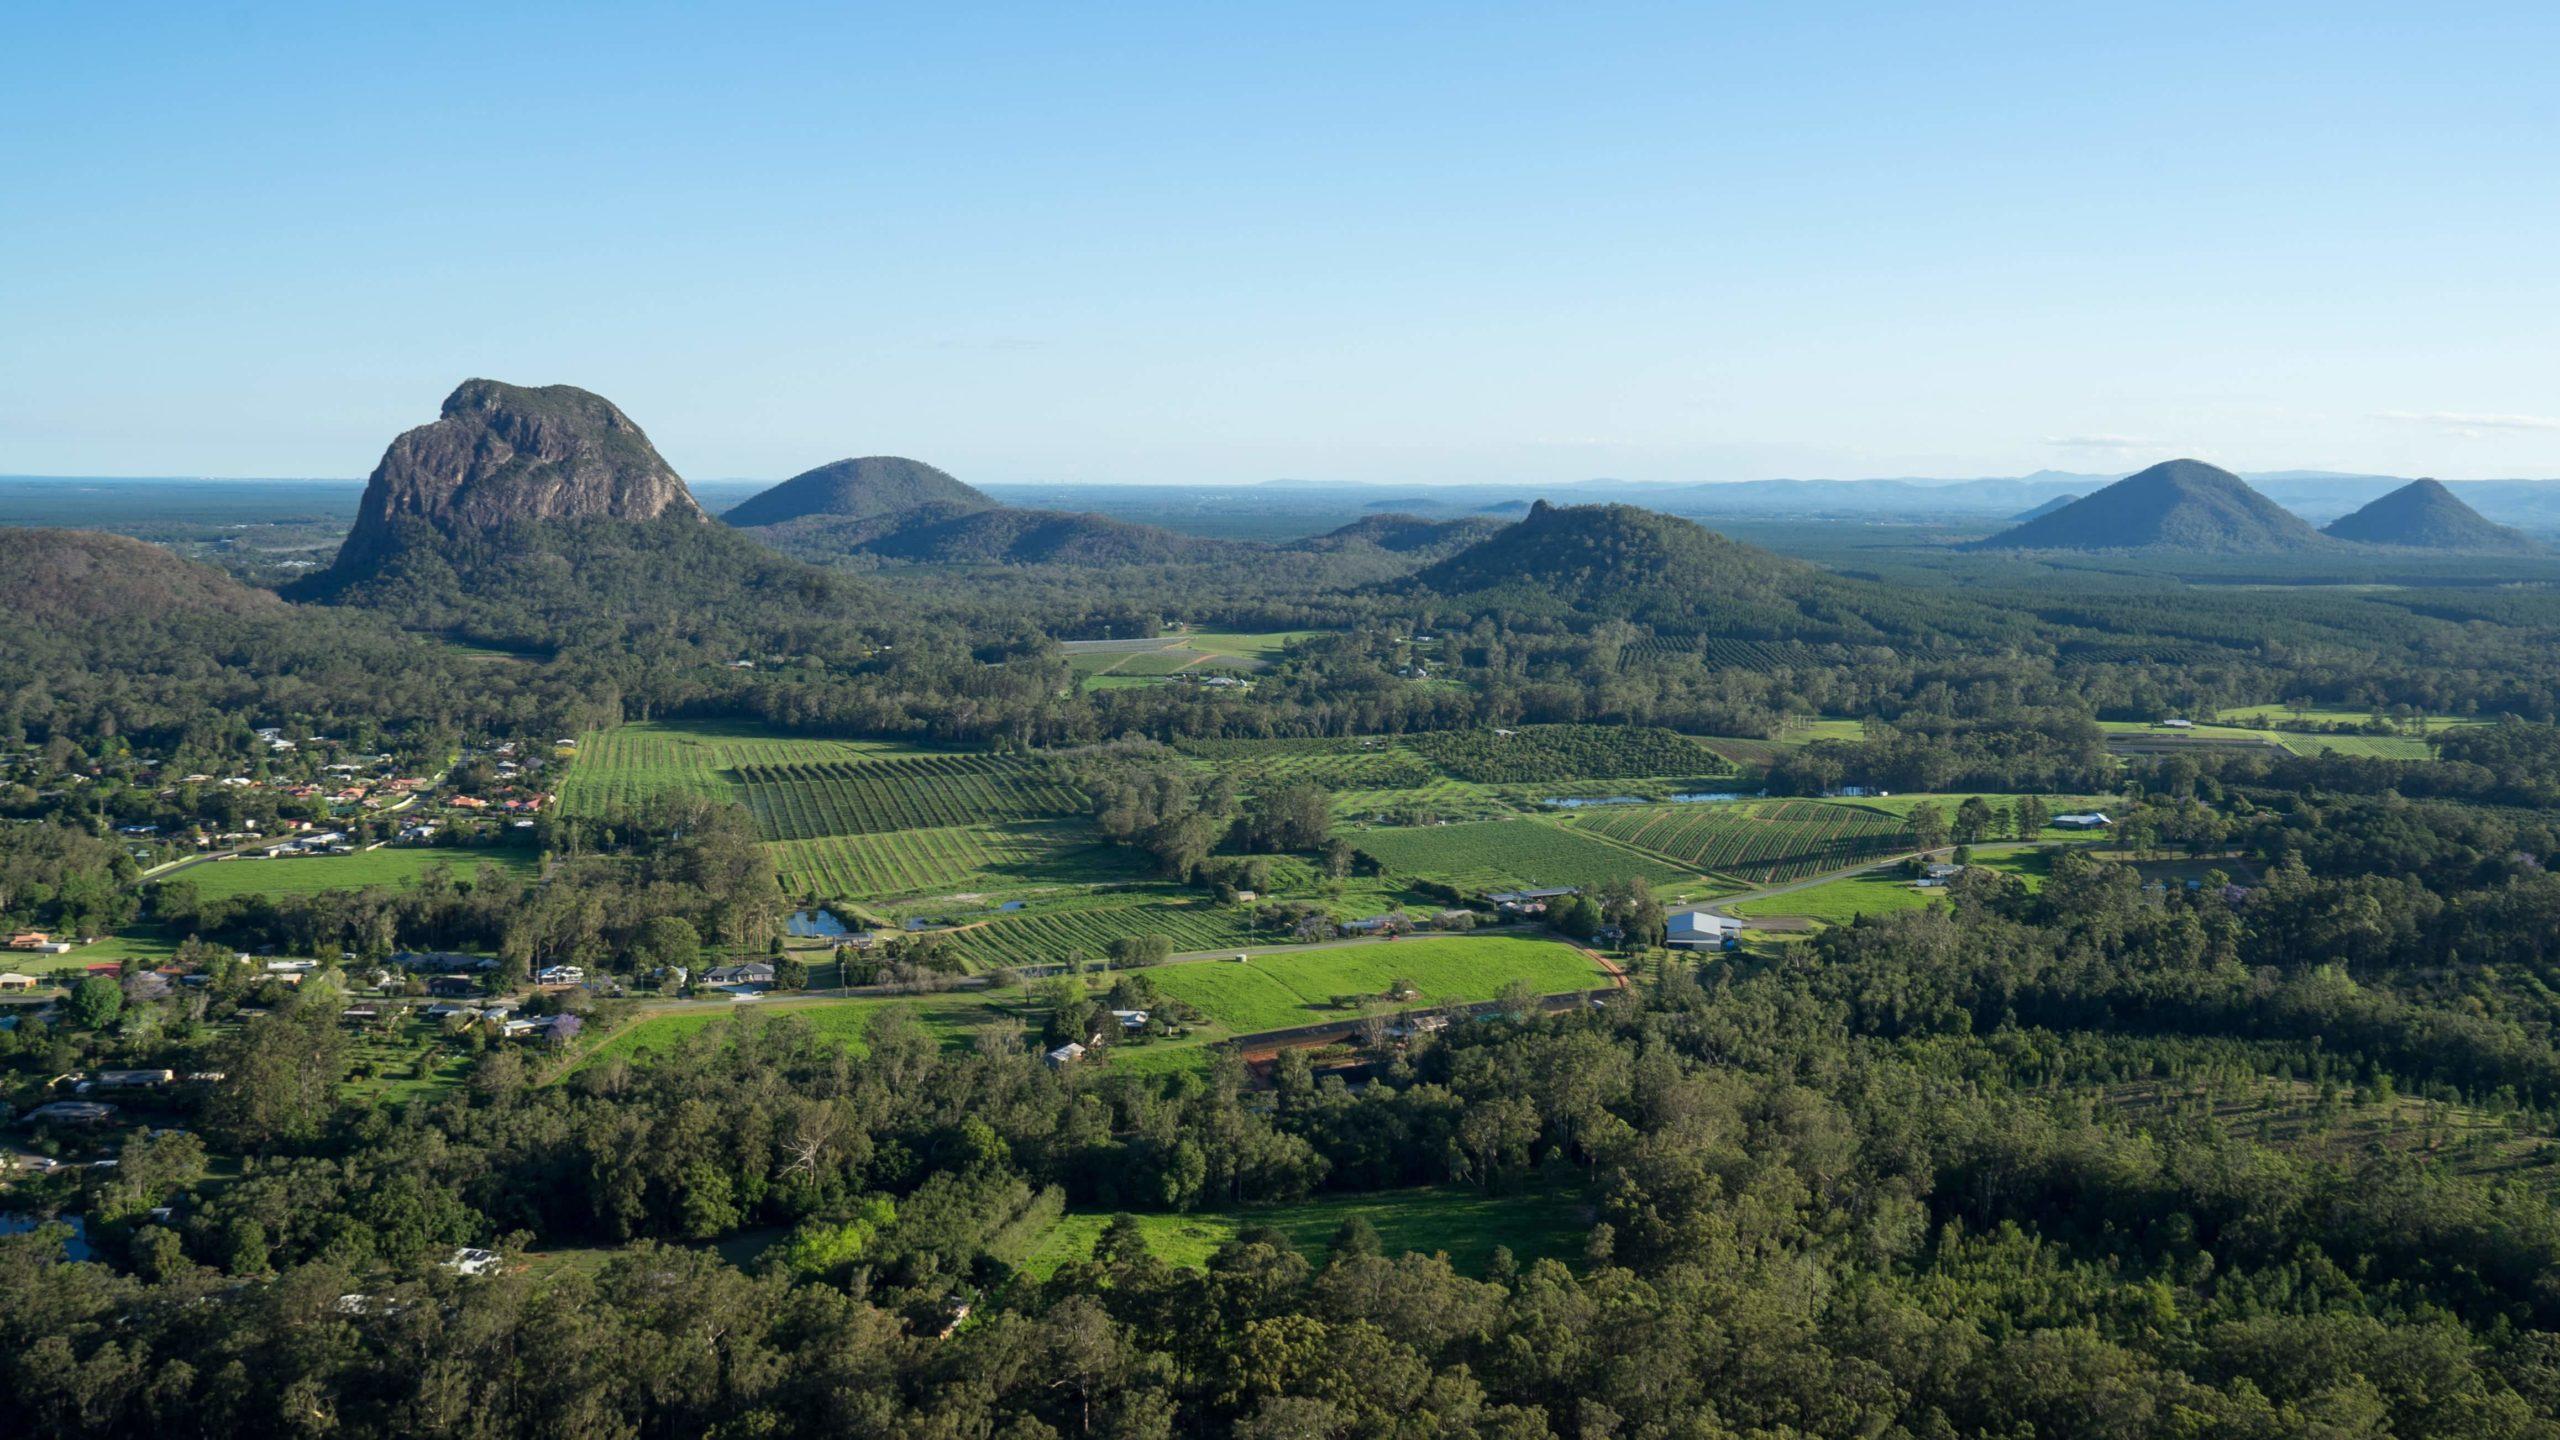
{"x": 2048, "y": 476}
{"x": 1413, "y": 245}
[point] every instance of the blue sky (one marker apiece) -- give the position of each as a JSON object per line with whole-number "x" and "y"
{"x": 1406, "y": 243}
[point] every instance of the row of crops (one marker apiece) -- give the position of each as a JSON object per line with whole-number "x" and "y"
{"x": 1534, "y": 753}
{"x": 1334, "y": 764}
{"x": 1057, "y": 937}
{"x": 623, "y": 767}
{"x": 801, "y": 802}
{"x": 1503, "y": 854}
{"x": 942, "y": 860}
{"x": 1763, "y": 844}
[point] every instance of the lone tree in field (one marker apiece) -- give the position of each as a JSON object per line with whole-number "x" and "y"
{"x": 2032, "y": 814}
{"x": 1973, "y": 820}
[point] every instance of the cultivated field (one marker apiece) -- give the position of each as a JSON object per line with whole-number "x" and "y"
{"x": 1058, "y": 937}
{"x": 952, "y": 859}
{"x": 312, "y": 874}
{"x": 869, "y": 796}
{"x": 628, "y": 764}
{"x": 1757, "y": 842}
{"x": 1504, "y": 854}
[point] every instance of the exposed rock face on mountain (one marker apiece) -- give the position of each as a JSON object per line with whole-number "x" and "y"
{"x": 859, "y": 490}
{"x": 82, "y": 576}
{"x": 507, "y": 454}
{"x": 2423, "y": 515}
{"x": 2183, "y": 505}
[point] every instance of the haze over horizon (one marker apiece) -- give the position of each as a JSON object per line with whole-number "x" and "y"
{"x": 1437, "y": 244}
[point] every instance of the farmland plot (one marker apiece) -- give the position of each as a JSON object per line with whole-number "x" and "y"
{"x": 1763, "y": 844}
{"x": 1055, "y": 937}
{"x": 946, "y": 859}
{"x": 866, "y": 797}
{"x": 1494, "y": 854}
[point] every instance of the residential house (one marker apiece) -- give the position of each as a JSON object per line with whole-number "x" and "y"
{"x": 15, "y": 981}
{"x": 1065, "y": 1055}
{"x": 754, "y": 972}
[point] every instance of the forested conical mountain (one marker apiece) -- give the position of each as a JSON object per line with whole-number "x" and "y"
{"x": 1401, "y": 534}
{"x": 1619, "y": 560}
{"x": 859, "y": 490}
{"x": 2176, "y": 505}
{"x": 2423, "y": 515}
{"x": 82, "y": 576}
{"x": 503, "y": 455}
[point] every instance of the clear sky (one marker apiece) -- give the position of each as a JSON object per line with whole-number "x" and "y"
{"x": 1220, "y": 243}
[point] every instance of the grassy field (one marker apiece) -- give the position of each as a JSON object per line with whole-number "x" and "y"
{"x": 1276, "y": 991}
{"x": 1465, "y": 1225}
{"x": 312, "y": 874}
{"x": 1497, "y": 854}
{"x": 2259, "y": 717}
{"x": 1882, "y": 892}
{"x": 1126, "y": 662}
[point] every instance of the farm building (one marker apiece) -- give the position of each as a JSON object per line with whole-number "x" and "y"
{"x": 15, "y": 981}
{"x": 1065, "y": 1055}
{"x": 1699, "y": 930}
{"x": 2083, "y": 820}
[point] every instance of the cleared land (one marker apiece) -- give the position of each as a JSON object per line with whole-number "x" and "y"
{"x": 1499, "y": 854}
{"x": 1277, "y": 990}
{"x": 1150, "y": 660}
{"x": 1466, "y": 1225}
{"x": 313, "y": 874}
{"x": 1882, "y": 892}
{"x": 1274, "y": 992}
{"x": 1756, "y": 842}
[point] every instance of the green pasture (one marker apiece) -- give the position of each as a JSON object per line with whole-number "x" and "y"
{"x": 1465, "y": 1225}
{"x": 315, "y": 874}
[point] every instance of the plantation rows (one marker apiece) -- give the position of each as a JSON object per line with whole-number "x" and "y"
{"x": 1565, "y": 752}
{"x": 621, "y": 768}
{"x": 1066, "y": 935}
{"x": 1763, "y": 844}
{"x": 926, "y": 862}
{"x": 800, "y": 802}
{"x": 1500, "y": 854}
{"x": 1758, "y": 654}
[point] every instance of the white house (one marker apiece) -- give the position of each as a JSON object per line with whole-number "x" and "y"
{"x": 1699, "y": 930}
